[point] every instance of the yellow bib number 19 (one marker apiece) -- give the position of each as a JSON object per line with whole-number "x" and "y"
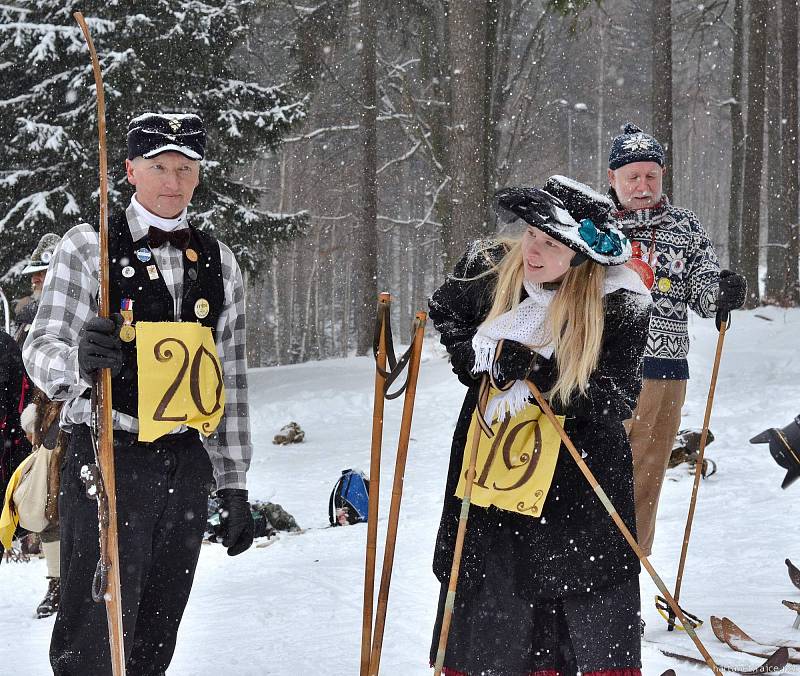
{"x": 516, "y": 466}
{"x": 180, "y": 378}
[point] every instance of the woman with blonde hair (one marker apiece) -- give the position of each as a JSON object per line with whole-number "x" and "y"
{"x": 548, "y": 586}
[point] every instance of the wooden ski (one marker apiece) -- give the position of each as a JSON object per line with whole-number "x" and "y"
{"x": 107, "y": 586}
{"x": 727, "y": 631}
{"x": 774, "y": 663}
{"x": 794, "y": 573}
{"x": 794, "y": 606}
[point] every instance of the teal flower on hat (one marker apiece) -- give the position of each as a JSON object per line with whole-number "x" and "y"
{"x": 603, "y": 242}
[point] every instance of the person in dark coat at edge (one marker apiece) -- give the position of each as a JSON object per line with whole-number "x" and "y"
{"x": 167, "y": 273}
{"x": 15, "y": 445}
{"x": 556, "y": 593}
{"x": 17, "y": 393}
{"x": 40, "y": 423}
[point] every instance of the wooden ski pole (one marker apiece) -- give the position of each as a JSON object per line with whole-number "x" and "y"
{"x": 109, "y": 554}
{"x": 601, "y": 494}
{"x": 698, "y": 470}
{"x": 397, "y": 493}
{"x": 384, "y": 299}
{"x": 449, "y": 604}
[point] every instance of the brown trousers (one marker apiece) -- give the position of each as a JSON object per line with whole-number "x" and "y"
{"x": 652, "y": 431}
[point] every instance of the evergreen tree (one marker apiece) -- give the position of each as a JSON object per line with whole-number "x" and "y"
{"x": 156, "y": 55}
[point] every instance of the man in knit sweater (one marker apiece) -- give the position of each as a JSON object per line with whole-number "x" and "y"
{"x": 674, "y": 256}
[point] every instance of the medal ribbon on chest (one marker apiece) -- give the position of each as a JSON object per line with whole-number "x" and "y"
{"x": 127, "y": 332}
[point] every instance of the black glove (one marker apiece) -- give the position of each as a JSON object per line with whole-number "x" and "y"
{"x": 732, "y": 294}
{"x": 236, "y": 526}
{"x": 100, "y": 347}
{"x": 514, "y": 363}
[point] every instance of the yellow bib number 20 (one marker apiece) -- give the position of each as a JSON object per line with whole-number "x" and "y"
{"x": 180, "y": 378}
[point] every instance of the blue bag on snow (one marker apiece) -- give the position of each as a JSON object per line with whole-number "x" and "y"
{"x": 349, "y": 501}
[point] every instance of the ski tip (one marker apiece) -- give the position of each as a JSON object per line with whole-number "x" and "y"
{"x": 774, "y": 663}
{"x": 716, "y": 627}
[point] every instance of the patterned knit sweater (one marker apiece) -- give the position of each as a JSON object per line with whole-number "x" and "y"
{"x": 686, "y": 276}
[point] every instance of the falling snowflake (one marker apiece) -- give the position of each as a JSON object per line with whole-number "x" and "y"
{"x": 638, "y": 142}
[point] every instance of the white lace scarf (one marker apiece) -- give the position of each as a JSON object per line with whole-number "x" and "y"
{"x": 527, "y": 324}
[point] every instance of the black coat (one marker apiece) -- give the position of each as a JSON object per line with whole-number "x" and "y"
{"x": 574, "y": 546}
{"x": 15, "y": 446}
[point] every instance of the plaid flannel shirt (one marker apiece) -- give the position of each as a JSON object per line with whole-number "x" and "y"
{"x": 69, "y": 300}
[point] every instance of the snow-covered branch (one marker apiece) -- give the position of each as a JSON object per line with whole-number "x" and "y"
{"x": 402, "y": 158}
{"x": 320, "y": 131}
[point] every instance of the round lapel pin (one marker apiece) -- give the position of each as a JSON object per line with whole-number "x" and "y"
{"x": 128, "y": 271}
{"x": 201, "y": 308}
{"x": 191, "y": 254}
{"x": 144, "y": 255}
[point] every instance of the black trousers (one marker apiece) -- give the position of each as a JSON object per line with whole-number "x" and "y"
{"x": 162, "y": 490}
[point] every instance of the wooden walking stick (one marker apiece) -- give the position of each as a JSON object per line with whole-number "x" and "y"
{"x": 698, "y": 470}
{"x": 447, "y": 614}
{"x": 384, "y": 300}
{"x": 601, "y": 494}
{"x": 106, "y": 586}
{"x": 397, "y": 492}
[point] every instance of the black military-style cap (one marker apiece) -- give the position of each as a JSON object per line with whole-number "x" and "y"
{"x": 153, "y": 133}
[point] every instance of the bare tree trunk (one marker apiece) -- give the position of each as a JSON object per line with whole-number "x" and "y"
{"x": 737, "y": 139}
{"x": 791, "y": 161}
{"x": 347, "y": 308}
{"x": 334, "y": 286}
{"x": 601, "y": 99}
{"x": 276, "y": 311}
{"x": 662, "y": 84}
{"x": 307, "y": 336}
{"x": 255, "y": 319}
{"x": 318, "y": 330}
{"x": 367, "y": 241}
{"x": 291, "y": 313}
{"x": 754, "y": 154}
{"x": 490, "y": 102}
{"x": 776, "y": 224}
{"x": 467, "y": 21}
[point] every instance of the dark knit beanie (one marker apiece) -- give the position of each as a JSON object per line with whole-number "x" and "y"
{"x": 633, "y": 145}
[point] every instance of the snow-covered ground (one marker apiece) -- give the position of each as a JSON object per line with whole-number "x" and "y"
{"x": 294, "y": 607}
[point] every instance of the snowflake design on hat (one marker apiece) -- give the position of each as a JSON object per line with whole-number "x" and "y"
{"x": 639, "y": 141}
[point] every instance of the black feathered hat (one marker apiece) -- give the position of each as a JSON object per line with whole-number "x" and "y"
{"x": 784, "y": 446}
{"x": 570, "y": 212}
{"x": 153, "y": 133}
{"x": 633, "y": 145}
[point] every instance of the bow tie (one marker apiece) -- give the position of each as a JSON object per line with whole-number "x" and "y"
{"x": 157, "y": 237}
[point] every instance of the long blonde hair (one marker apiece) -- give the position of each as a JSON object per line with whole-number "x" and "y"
{"x": 575, "y": 315}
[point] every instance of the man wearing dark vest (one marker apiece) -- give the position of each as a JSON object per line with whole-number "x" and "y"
{"x": 165, "y": 276}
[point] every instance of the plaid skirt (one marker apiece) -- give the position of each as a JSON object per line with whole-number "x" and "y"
{"x": 496, "y": 632}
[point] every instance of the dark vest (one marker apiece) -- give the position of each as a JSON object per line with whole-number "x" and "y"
{"x": 152, "y": 301}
